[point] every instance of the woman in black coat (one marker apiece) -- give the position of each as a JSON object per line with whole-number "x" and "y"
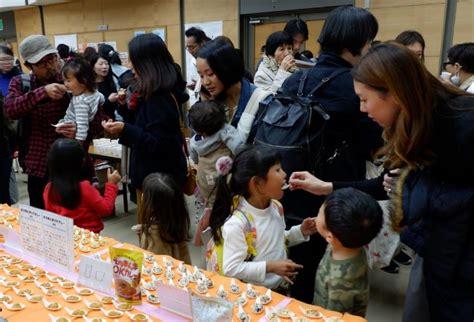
{"x": 154, "y": 136}
{"x": 349, "y": 135}
{"x": 429, "y": 132}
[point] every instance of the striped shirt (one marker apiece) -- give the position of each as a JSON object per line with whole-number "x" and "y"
{"x": 82, "y": 110}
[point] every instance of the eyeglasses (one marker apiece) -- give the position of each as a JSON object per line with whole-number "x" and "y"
{"x": 192, "y": 47}
{"x": 50, "y": 59}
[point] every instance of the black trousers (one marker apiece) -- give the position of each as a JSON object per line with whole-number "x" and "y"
{"x": 35, "y": 191}
{"x": 5, "y": 171}
{"x": 308, "y": 254}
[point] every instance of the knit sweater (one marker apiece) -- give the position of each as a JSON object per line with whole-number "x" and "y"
{"x": 82, "y": 110}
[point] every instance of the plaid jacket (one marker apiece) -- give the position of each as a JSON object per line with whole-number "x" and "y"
{"x": 42, "y": 111}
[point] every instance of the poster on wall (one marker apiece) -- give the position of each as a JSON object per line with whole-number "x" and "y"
{"x": 95, "y": 45}
{"x": 212, "y": 30}
{"x": 161, "y": 32}
{"x": 70, "y": 40}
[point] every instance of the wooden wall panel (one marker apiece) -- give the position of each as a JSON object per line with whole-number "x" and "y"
{"x": 119, "y": 14}
{"x": 427, "y": 19}
{"x": 67, "y": 18}
{"x": 196, "y": 11}
{"x": 83, "y": 17}
{"x": 87, "y": 37}
{"x": 210, "y": 10}
{"x": 28, "y": 22}
{"x": 464, "y": 26}
{"x": 314, "y": 28}
{"x": 173, "y": 35}
{"x": 401, "y": 3}
{"x": 122, "y": 37}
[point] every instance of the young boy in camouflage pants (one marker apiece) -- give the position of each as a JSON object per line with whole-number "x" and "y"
{"x": 349, "y": 219}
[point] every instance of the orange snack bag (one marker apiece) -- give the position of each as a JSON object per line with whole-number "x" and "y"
{"x": 127, "y": 267}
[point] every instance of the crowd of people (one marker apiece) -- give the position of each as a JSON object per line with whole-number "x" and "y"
{"x": 303, "y": 233}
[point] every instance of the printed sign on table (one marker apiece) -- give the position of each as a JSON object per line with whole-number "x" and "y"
{"x": 47, "y": 237}
{"x": 95, "y": 273}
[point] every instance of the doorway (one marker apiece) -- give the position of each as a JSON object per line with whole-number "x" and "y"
{"x": 256, "y": 29}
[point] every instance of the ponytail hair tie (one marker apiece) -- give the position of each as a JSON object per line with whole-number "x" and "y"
{"x": 111, "y": 53}
{"x": 224, "y": 165}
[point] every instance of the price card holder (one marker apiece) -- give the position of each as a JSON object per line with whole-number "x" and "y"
{"x": 96, "y": 274}
{"x": 174, "y": 300}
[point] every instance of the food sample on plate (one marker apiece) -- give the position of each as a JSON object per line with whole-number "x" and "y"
{"x": 234, "y": 287}
{"x": 58, "y": 318}
{"x": 169, "y": 274}
{"x": 66, "y": 284}
{"x": 251, "y": 292}
{"x": 51, "y": 306}
{"x": 76, "y": 312}
{"x": 71, "y": 298}
{"x": 285, "y": 313}
{"x": 221, "y": 292}
{"x": 105, "y": 299}
{"x": 14, "y": 306}
{"x": 156, "y": 269}
{"x": 311, "y": 313}
{"x": 83, "y": 291}
{"x": 114, "y": 314}
{"x": 241, "y": 300}
{"x": 153, "y": 299}
{"x": 93, "y": 305}
{"x": 242, "y": 316}
{"x": 201, "y": 287}
{"x": 150, "y": 258}
{"x": 267, "y": 297}
{"x": 257, "y": 307}
{"x": 123, "y": 306}
{"x": 181, "y": 268}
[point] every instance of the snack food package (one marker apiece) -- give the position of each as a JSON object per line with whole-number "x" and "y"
{"x": 127, "y": 267}
{"x": 206, "y": 309}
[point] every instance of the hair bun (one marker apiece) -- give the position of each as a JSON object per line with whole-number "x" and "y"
{"x": 224, "y": 165}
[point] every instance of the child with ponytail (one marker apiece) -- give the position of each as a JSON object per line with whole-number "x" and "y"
{"x": 248, "y": 228}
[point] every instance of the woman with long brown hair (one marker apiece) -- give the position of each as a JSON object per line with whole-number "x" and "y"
{"x": 428, "y": 131}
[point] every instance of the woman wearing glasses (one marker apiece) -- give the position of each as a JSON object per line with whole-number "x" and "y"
{"x": 8, "y": 70}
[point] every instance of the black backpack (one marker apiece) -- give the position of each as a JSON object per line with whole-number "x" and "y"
{"x": 294, "y": 125}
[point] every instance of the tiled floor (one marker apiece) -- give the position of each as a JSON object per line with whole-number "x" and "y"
{"x": 387, "y": 290}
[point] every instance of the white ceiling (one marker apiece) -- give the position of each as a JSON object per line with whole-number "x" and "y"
{"x": 8, "y": 5}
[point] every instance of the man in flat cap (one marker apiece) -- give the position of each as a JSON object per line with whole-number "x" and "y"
{"x": 39, "y": 99}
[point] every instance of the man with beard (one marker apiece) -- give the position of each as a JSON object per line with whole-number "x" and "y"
{"x": 38, "y": 100}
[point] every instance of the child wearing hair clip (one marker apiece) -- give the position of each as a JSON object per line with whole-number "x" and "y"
{"x": 249, "y": 239}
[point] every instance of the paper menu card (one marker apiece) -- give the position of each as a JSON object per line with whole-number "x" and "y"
{"x": 95, "y": 273}
{"x": 47, "y": 237}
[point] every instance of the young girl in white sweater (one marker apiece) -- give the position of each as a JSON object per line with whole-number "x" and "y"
{"x": 250, "y": 244}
